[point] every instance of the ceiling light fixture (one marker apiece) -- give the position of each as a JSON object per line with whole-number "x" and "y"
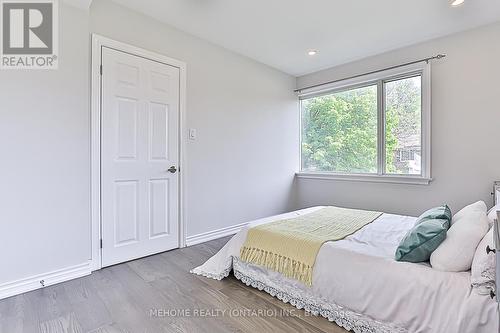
{"x": 312, "y": 52}
{"x": 456, "y": 3}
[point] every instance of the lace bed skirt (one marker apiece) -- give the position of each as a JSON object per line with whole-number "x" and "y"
{"x": 345, "y": 318}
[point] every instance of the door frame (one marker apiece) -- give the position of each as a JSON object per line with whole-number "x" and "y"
{"x": 98, "y": 42}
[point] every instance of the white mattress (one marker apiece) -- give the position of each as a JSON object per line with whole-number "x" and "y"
{"x": 358, "y": 284}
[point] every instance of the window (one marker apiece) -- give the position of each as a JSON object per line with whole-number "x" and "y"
{"x": 374, "y": 127}
{"x": 339, "y": 131}
{"x": 403, "y": 124}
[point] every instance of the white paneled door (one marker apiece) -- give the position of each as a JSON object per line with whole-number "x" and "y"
{"x": 139, "y": 157}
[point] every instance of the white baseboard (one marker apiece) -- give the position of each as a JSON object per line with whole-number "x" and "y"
{"x": 35, "y": 282}
{"x": 211, "y": 235}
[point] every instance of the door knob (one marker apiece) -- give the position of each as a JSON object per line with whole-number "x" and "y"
{"x": 172, "y": 169}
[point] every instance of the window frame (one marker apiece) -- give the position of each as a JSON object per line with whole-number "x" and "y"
{"x": 379, "y": 79}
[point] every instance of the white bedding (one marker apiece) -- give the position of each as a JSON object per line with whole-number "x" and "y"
{"x": 358, "y": 284}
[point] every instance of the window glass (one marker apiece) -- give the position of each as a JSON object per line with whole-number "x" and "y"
{"x": 403, "y": 126}
{"x": 339, "y": 132}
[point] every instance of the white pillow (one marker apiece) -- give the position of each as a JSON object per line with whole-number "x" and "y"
{"x": 456, "y": 252}
{"x": 476, "y": 206}
{"x": 483, "y": 266}
{"x": 492, "y": 214}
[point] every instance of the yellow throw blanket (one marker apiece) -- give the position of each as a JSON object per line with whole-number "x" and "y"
{"x": 290, "y": 246}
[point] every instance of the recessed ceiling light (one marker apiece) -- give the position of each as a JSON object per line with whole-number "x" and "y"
{"x": 456, "y": 3}
{"x": 312, "y": 52}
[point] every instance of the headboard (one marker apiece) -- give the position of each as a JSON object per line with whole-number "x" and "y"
{"x": 496, "y": 236}
{"x": 496, "y": 192}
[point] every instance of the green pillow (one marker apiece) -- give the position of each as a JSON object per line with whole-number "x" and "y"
{"x": 422, "y": 240}
{"x": 441, "y": 212}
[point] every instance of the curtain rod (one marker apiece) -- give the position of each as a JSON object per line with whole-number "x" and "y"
{"x": 437, "y": 57}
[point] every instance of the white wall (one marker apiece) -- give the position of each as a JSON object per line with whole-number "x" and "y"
{"x": 465, "y": 128}
{"x": 44, "y": 167}
{"x": 241, "y": 166}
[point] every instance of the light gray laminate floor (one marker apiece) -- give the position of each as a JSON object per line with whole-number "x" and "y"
{"x": 124, "y": 298}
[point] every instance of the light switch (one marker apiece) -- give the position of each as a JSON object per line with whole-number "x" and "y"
{"x": 192, "y": 134}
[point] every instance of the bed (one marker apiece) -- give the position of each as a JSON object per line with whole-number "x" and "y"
{"x": 357, "y": 284}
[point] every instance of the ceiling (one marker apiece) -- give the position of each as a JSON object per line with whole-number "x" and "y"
{"x": 280, "y": 32}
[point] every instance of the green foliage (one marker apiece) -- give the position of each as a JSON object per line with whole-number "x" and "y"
{"x": 340, "y": 130}
{"x": 403, "y": 108}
